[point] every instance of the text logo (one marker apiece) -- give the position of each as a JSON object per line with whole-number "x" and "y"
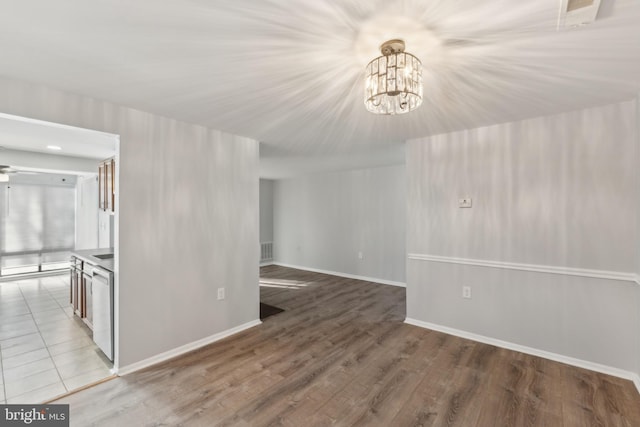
{"x": 34, "y": 415}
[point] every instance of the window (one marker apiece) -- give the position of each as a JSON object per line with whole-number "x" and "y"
{"x": 37, "y": 226}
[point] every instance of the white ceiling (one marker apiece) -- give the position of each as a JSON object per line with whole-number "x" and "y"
{"x": 18, "y": 133}
{"x": 289, "y": 73}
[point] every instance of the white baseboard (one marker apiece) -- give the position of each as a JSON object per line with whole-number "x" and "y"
{"x": 620, "y": 373}
{"x": 636, "y": 381}
{"x": 346, "y": 275}
{"x": 266, "y": 263}
{"x": 124, "y": 370}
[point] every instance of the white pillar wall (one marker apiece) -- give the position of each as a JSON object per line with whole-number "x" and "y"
{"x": 187, "y": 221}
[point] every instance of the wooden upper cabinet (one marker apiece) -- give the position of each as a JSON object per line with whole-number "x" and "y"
{"x": 107, "y": 185}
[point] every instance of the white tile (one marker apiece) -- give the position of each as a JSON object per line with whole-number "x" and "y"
{"x": 70, "y": 345}
{"x": 8, "y": 291}
{"x": 13, "y": 301}
{"x": 16, "y": 322}
{"x": 31, "y": 383}
{"x": 50, "y": 316}
{"x": 26, "y": 329}
{"x": 40, "y": 395}
{"x": 12, "y": 342}
{"x": 52, "y": 337}
{"x": 68, "y": 310}
{"x": 34, "y": 292}
{"x": 13, "y": 311}
{"x": 73, "y": 356}
{"x": 82, "y": 366}
{"x": 61, "y": 297}
{"x": 19, "y": 345}
{"x": 28, "y": 369}
{"x": 59, "y": 324}
{"x": 86, "y": 378}
{"x": 45, "y": 306}
{"x": 24, "y": 358}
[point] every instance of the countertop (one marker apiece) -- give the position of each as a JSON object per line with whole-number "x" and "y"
{"x": 87, "y": 255}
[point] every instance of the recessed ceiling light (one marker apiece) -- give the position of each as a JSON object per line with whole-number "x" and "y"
{"x": 54, "y": 147}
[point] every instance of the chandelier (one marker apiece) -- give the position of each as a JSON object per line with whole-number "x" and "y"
{"x": 393, "y": 83}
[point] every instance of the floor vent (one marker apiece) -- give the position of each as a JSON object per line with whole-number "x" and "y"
{"x": 266, "y": 251}
{"x": 575, "y": 13}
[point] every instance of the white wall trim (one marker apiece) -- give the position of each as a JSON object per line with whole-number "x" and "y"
{"x": 348, "y": 276}
{"x": 598, "y": 274}
{"x": 620, "y": 373}
{"x": 636, "y": 381}
{"x": 124, "y": 370}
{"x": 266, "y": 263}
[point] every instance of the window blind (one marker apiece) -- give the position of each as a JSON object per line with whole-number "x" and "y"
{"x": 37, "y": 226}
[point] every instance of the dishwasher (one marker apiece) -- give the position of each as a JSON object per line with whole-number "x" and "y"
{"x": 102, "y": 307}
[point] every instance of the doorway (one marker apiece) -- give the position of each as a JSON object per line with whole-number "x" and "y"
{"x": 48, "y": 183}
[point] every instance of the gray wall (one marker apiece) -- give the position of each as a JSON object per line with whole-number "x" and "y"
{"x": 638, "y": 230}
{"x": 322, "y": 221}
{"x": 266, "y": 210}
{"x": 188, "y": 220}
{"x": 87, "y": 212}
{"x": 558, "y": 192}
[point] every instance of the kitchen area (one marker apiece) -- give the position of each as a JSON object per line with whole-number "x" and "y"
{"x": 91, "y": 270}
{"x": 57, "y": 259}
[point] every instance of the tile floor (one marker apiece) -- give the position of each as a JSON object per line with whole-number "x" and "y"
{"x": 45, "y": 350}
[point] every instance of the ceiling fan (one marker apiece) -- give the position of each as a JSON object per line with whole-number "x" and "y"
{"x": 4, "y": 173}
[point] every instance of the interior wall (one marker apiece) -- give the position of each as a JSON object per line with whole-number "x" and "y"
{"x": 323, "y": 222}
{"x": 637, "y": 157}
{"x": 549, "y": 246}
{"x": 188, "y": 220}
{"x": 87, "y": 212}
{"x": 266, "y": 210}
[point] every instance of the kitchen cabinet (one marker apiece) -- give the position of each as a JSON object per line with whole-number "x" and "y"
{"x": 92, "y": 293}
{"x": 107, "y": 185}
{"x": 81, "y": 289}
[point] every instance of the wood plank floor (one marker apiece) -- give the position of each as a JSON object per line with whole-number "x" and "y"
{"x": 341, "y": 355}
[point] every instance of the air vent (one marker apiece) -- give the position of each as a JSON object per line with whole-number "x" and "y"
{"x": 575, "y": 13}
{"x": 266, "y": 251}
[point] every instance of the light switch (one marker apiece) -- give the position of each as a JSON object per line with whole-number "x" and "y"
{"x": 465, "y": 202}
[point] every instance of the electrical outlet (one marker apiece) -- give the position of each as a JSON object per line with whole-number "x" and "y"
{"x": 220, "y": 293}
{"x": 466, "y": 292}
{"x": 360, "y": 255}
{"x": 465, "y": 202}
